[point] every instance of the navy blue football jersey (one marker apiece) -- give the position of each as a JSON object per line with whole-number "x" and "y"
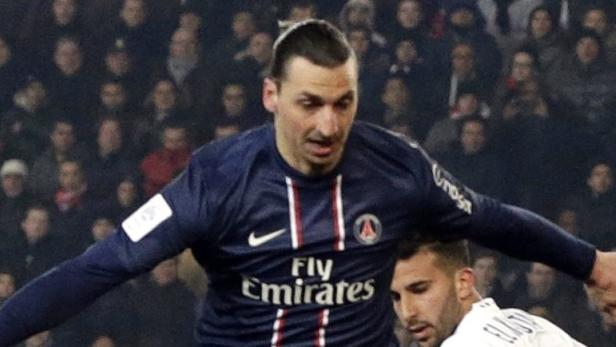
{"x": 293, "y": 260}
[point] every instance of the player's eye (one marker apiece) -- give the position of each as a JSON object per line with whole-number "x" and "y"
{"x": 343, "y": 104}
{"x": 394, "y": 296}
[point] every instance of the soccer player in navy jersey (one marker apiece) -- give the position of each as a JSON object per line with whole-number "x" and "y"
{"x": 297, "y": 222}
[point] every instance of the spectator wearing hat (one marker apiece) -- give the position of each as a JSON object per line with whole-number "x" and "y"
{"x": 24, "y": 128}
{"x": 118, "y": 65}
{"x": 133, "y": 24}
{"x": 14, "y": 199}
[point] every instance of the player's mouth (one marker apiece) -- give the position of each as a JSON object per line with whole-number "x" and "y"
{"x": 321, "y": 148}
{"x": 420, "y": 332}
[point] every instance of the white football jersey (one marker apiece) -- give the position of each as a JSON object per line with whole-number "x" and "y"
{"x": 486, "y": 325}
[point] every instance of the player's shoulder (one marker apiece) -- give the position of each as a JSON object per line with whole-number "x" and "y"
{"x": 374, "y": 135}
{"x": 386, "y": 143}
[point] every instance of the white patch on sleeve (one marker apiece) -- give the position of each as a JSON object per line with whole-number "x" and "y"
{"x": 146, "y": 218}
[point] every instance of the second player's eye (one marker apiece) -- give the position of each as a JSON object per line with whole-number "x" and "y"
{"x": 394, "y": 296}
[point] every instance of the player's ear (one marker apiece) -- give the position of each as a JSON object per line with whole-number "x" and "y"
{"x": 464, "y": 283}
{"x": 270, "y": 95}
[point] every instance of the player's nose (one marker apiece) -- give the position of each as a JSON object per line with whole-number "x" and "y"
{"x": 408, "y": 310}
{"x": 327, "y": 122}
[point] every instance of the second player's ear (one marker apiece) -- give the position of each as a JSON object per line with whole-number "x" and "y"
{"x": 270, "y": 95}
{"x": 464, "y": 283}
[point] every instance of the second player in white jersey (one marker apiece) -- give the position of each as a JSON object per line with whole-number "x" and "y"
{"x": 486, "y": 325}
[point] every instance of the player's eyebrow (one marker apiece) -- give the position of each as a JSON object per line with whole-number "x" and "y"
{"x": 417, "y": 285}
{"x": 316, "y": 98}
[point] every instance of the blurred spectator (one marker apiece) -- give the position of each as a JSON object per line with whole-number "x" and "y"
{"x": 127, "y": 198}
{"x": 162, "y": 165}
{"x": 14, "y": 199}
{"x": 42, "y": 181}
{"x": 507, "y": 20}
{"x": 143, "y": 38}
{"x": 410, "y": 24}
{"x": 252, "y": 65}
{"x": 119, "y": 66}
{"x": 24, "y": 128}
{"x": 463, "y": 73}
{"x": 585, "y": 80}
{"x": 523, "y": 67}
{"x": 445, "y": 132}
{"x": 7, "y": 284}
{"x": 399, "y": 110}
{"x": 595, "y": 18}
{"x": 189, "y": 72}
{"x": 235, "y": 108}
{"x": 70, "y": 85}
{"x": 47, "y": 23}
{"x": 166, "y": 302}
{"x": 73, "y": 205}
{"x": 300, "y": 10}
{"x": 110, "y": 160}
{"x": 242, "y": 26}
{"x": 413, "y": 66}
{"x": 540, "y": 295}
{"x": 596, "y": 205}
{"x": 161, "y": 104}
{"x": 531, "y": 136}
{"x": 38, "y": 248}
{"x": 567, "y": 218}
{"x": 11, "y": 73}
{"x": 545, "y": 38}
{"x": 373, "y": 65}
{"x": 474, "y": 160}
{"x": 113, "y": 98}
{"x": 361, "y": 13}
{"x": 488, "y": 277}
{"x": 466, "y": 24}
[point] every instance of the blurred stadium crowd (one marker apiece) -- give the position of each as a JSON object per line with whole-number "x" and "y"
{"x": 102, "y": 102}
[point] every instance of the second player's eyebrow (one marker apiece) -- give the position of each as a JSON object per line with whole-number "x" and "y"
{"x": 418, "y": 285}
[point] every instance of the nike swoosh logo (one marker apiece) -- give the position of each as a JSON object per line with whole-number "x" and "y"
{"x": 254, "y": 241}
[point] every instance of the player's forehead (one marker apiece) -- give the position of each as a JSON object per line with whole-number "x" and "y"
{"x": 422, "y": 266}
{"x": 303, "y": 76}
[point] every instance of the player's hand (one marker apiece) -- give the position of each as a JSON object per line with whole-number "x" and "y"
{"x": 601, "y": 285}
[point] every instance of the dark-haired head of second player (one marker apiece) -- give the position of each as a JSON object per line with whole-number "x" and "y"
{"x": 312, "y": 92}
{"x": 432, "y": 289}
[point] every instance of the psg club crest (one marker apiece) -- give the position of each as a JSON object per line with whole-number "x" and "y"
{"x": 367, "y": 229}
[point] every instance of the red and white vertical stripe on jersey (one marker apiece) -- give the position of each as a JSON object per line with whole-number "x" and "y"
{"x": 278, "y": 327}
{"x": 319, "y": 340}
{"x": 295, "y": 214}
{"x": 338, "y": 214}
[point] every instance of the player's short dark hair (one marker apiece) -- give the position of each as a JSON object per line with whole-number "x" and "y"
{"x": 314, "y": 39}
{"x": 450, "y": 254}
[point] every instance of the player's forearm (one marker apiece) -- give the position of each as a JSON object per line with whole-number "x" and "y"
{"x": 528, "y": 236}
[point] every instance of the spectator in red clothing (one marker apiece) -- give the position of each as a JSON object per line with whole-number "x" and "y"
{"x": 161, "y": 166}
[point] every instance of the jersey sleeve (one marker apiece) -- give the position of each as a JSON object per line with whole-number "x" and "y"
{"x": 456, "y": 211}
{"x": 165, "y": 225}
